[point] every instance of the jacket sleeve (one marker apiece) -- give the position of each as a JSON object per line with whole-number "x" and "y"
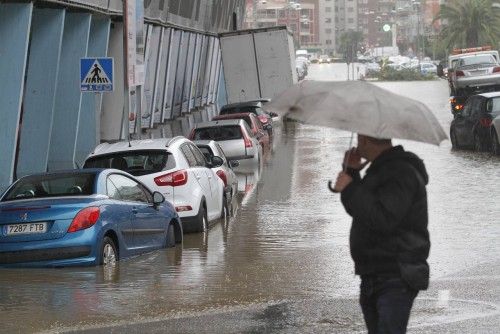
{"x": 383, "y": 209}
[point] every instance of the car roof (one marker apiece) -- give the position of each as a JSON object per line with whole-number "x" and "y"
{"x": 134, "y": 145}
{"x": 234, "y": 116}
{"x": 204, "y": 142}
{"x": 222, "y": 122}
{"x": 242, "y": 105}
{"x": 490, "y": 94}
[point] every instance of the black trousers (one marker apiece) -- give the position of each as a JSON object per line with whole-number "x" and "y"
{"x": 386, "y": 303}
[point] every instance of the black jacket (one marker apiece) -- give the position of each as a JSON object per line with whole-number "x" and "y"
{"x": 389, "y": 233}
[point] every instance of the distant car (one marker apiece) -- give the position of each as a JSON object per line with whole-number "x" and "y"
{"x": 176, "y": 168}
{"x": 211, "y": 149}
{"x": 372, "y": 67}
{"x": 234, "y": 136}
{"x": 472, "y": 127}
{"x": 83, "y": 217}
{"x": 255, "y": 125}
{"x": 428, "y": 68}
{"x": 324, "y": 59}
{"x": 474, "y": 70}
{"x": 255, "y": 107}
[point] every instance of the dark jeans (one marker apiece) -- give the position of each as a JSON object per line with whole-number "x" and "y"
{"x": 386, "y": 303}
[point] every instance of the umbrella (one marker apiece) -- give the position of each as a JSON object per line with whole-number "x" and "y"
{"x": 360, "y": 107}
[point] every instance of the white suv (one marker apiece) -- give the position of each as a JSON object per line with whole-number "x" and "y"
{"x": 176, "y": 168}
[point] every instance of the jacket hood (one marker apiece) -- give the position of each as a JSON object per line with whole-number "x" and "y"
{"x": 398, "y": 153}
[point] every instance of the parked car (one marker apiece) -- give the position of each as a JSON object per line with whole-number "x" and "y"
{"x": 234, "y": 136}
{"x": 211, "y": 149}
{"x": 428, "y": 68}
{"x": 472, "y": 126}
{"x": 474, "y": 69}
{"x": 176, "y": 168}
{"x": 255, "y": 107}
{"x": 83, "y": 217}
{"x": 255, "y": 125}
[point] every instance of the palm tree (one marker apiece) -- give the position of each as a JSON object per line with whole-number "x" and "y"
{"x": 469, "y": 23}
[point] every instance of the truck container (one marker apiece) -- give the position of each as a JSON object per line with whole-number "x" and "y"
{"x": 257, "y": 63}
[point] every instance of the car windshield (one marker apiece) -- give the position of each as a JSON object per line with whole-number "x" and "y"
{"x": 136, "y": 163}
{"x": 52, "y": 185}
{"x": 236, "y": 110}
{"x": 476, "y": 60}
{"x": 217, "y": 133}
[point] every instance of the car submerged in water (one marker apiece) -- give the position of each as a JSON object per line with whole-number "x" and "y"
{"x": 82, "y": 218}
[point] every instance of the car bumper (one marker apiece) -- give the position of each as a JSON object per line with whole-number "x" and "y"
{"x": 484, "y": 80}
{"x": 73, "y": 249}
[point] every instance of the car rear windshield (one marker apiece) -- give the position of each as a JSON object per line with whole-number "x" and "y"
{"x": 218, "y": 133}
{"x": 493, "y": 106}
{"x": 236, "y": 110}
{"x": 136, "y": 163}
{"x": 483, "y": 59}
{"x": 52, "y": 185}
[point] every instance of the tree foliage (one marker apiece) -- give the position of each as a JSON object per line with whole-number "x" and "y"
{"x": 469, "y": 23}
{"x": 350, "y": 43}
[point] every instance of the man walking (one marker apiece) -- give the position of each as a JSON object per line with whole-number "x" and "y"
{"x": 389, "y": 239}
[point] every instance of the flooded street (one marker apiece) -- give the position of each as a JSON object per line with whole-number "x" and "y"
{"x": 282, "y": 263}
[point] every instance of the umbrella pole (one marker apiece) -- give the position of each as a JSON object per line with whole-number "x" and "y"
{"x": 344, "y": 165}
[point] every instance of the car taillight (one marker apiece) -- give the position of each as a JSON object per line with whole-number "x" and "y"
{"x": 248, "y": 142}
{"x": 222, "y": 176}
{"x": 459, "y": 107}
{"x": 84, "y": 219}
{"x": 459, "y": 73}
{"x": 263, "y": 119}
{"x": 173, "y": 179}
{"x": 496, "y": 69}
{"x": 485, "y": 122}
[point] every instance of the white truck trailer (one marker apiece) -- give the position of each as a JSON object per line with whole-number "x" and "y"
{"x": 257, "y": 63}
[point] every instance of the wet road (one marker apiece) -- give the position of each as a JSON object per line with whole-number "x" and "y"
{"x": 282, "y": 263}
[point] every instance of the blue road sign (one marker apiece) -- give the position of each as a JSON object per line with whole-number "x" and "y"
{"x": 96, "y": 74}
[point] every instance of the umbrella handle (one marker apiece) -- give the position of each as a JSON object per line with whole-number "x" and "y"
{"x": 330, "y": 186}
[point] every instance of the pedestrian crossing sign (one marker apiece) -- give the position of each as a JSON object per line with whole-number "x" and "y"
{"x": 96, "y": 74}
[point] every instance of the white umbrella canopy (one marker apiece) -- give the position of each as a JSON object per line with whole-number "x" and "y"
{"x": 361, "y": 107}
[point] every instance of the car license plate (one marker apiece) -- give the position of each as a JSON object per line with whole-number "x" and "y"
{"x": 27, "y": 228}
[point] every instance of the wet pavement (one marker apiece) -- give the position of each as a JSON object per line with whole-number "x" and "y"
{"x": 282, "y": 263}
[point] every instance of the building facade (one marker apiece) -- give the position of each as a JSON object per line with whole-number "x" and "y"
{"x": 48, "y": 123}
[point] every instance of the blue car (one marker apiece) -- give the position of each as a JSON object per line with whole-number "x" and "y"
{"x": 82, "y": 217}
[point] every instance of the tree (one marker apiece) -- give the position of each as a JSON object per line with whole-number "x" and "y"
{"x": 469, "y": 23}
{"x": 350, "y": 44}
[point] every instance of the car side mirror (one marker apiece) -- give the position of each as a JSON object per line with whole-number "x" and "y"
{"x": 216, "y": 162}
{"x": 158, "y": 198}
{"x": 272, "y": 114}
{"x": 234, "y": 163}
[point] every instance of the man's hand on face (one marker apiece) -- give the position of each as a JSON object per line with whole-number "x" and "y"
{"x": 343, "y": 180}
{"x": 352, "y": 159}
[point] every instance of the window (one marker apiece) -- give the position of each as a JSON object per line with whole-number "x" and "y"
{"x": 350, "y": 9}
{"x": 493, "y": 106}
{"x": 328, "y": 20}
{"x": 128, "y": 189}
{"x": 111, "y": 190}
{"x": 188, "y": 154}
{"x": 200, "y": 158}
{"x": 350, "y": 20}
{"x": 52, "y": 185}
{"x": 217, "y": 133}
{"x": 207, "y": 152}
{"x": 136, "y": 163}
{"x": 328, "y": 41}
{"x": 328, "y": 31}
{"x": 328, "y": 9}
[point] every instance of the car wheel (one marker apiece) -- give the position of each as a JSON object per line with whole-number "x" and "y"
{"x": 170, "y": 240}
{"x": 203, "y": 222}
{"x": 454, "y": 141}
{"x": 495, "y": 145}
{"x": 478, "y": 144}
{"x": 109, "y": 255}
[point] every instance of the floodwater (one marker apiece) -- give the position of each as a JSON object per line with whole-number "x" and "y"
{"x": 286, "y": 251}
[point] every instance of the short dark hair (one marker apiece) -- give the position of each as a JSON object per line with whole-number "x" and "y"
{"x": 379, "y": 141}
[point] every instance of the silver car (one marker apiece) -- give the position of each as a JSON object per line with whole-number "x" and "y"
{"x": 234, "y": 136}
{"x": 225, "y": 172}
